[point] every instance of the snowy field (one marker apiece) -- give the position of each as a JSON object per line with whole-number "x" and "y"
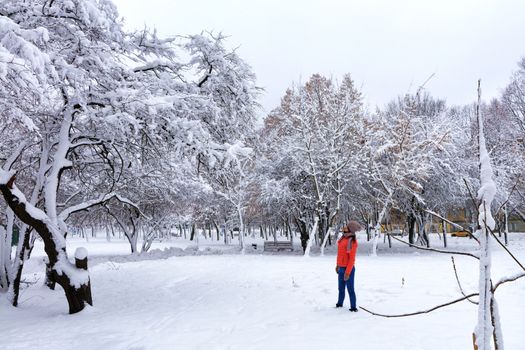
{"x": 261, "y": 301}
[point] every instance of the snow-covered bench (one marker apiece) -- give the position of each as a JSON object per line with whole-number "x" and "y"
{"x": 273, "y": 246}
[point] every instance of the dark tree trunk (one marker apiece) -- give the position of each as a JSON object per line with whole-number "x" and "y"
{"x": 321, "y": 228}
{"x": 217, "y": 230}
{"x": 444, "y": 229}
{"x": 505, "y": 229}
{"x": 85, "y": 289}
{"x": 411, "y": 222}
{"x": 263, "y": 232}
{"x": 23, "y": 253}
{"x": 50, "y": 277}
{"x": 423, "y": 238}
{"x": 368, "y": 233}
{"x": 303, "y": 230}
{"x": 192, "y": 232}
{"x": 76, "y": 297}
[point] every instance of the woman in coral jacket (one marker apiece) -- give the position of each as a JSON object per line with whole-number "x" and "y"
{"x": 345, "y": 269}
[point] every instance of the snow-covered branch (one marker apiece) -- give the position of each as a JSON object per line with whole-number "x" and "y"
{"x": 64, "y": 214}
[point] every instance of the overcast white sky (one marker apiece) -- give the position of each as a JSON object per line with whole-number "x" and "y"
{"x": 390, "y": 47}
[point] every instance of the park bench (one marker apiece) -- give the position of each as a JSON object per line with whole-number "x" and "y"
{"x": 272, "y": 246}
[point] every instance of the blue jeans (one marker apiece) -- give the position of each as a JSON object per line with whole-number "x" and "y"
{"x": 349, "y": 285}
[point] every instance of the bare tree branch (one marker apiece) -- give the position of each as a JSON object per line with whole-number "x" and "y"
{"x": 459, "y": 283}
{"x": 506, "y": 249}
{"x": 446, "y": 220}
{"x": 436, "y": 250}
{"x": 421, "y": 312}
{"x": 64, "y": 215}
{"x": 508, "y": 279}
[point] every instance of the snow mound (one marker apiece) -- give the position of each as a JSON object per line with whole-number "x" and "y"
{"x": 81, "y": 253}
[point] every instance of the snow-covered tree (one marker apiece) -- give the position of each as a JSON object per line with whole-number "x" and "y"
{"x": 319, "y": 133}
{"x": 514, "y": 96}
{"x": 408, "y": 144}
{"x": 107, "y": 114}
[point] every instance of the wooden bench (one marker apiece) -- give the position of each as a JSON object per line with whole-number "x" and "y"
{"x": 272, "y": 246}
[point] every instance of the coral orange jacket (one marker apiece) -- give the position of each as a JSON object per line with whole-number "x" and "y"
{"x": 345, "y": 257}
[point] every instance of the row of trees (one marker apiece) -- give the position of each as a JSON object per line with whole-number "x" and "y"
{"x": 94, "y": 117}
{"x": 326, "y": 156}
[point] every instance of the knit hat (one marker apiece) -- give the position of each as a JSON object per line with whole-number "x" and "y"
{"x": 352, "y": 226}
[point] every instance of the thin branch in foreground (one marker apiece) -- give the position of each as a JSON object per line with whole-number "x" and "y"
{"x": 436, "y": 250}
{"x": 459, "y": 283}
{"x": 492, "y": 232}
{"x": 446, "y": 220}
{"x": 508, "y": 279}
{"x": 421, "y": 312}
{"x": 452, "y": 223}
{"x": 506, "y": 249}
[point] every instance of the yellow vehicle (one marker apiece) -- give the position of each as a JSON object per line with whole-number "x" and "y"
{"x": 460, "y": 234}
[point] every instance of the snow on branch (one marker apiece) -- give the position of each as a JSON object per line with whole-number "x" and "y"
{"x": 15, "y": 155}
{"x": 508, "y": 279}
{"x": 66, "y": 213}
{"x": 6, "y": 177}
{"x": 160, "y": 64}
{"x": 28, "y": 213}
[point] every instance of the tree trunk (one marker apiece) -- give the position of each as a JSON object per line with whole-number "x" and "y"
{"x": 289, "y": 230}
{"x": 368, "y": 233}
{"x": 411, "y": 221}
{"x": 301, "y": 226}
{"x": 377, "y": 228}
{"x": 309, "y": 242}
{"x": 506, "y": 233}
{"x": 496, "y": 324}
{"x": 57, "y": 256}
{"x": 19, "y": 265}
{"x": 4, "y": 259}
{"x": 422, "y": 231}
{"x": 217, "y": 230}
{"x": 327, "y": 237}
{"x": 241, "y": 228}
{"x": 444, "y": 228}
{"x": 192, "y": 235}
{"x": 85, "y": 289}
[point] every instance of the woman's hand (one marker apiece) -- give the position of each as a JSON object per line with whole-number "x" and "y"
{"x": 336, "y": 270}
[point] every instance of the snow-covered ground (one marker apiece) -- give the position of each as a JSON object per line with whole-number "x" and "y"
{"x": 254, "y": 301}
